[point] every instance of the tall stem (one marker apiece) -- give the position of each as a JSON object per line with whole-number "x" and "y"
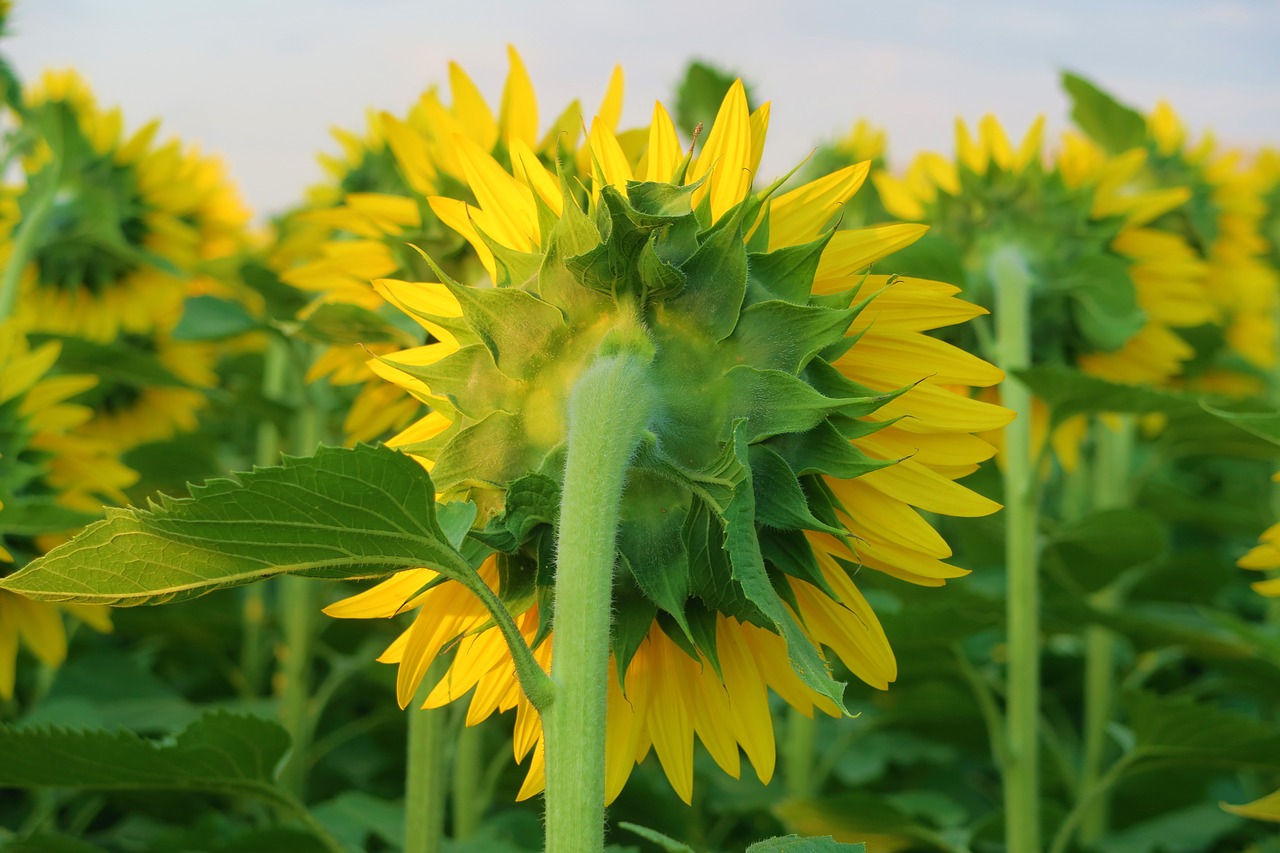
{"x": 798, "y": 755}
{"x": 607, "y": 415}
{"x": 1013, "y": 282}
{"x": 1111, "y": 491}
{"x": 253, "y": 656}
{"x": 425, "y": 777}
{"x": 468, "y": 761}
{"x": 300, "y": 611}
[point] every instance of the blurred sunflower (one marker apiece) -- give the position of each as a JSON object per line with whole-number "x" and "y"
{"x": 124, "y": 224}
{"x": 1265, "y": 556}
{"x": 362, "y": 222}
{"x": 746, "y": 297}
{"x": 52, "y": 480}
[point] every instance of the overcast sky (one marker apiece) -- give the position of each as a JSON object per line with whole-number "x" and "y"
{"x": 261, "y": 81}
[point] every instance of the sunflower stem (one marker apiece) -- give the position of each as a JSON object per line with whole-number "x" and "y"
{"x": 426, "y": 779}
{"x": 608, "y": 411}
{"x": 24, "y": 245}
{"x": 468, "y": 768}
{"x": 798, "y": 758}
{"x": 1013, "y": 282}
{"x": 1111, "y": 491}
{"x": 299, "y": 617}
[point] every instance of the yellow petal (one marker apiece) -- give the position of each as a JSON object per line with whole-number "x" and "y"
{"x": 610, "y": 112}
{"x": 609, "y": 164}
{"x": 850, "y": 251}
{"x": 726, "y": 157}
{"x": 663, "y": 154}
{"x": 471, "y": 110}
{"x": 519, "y": 114}
{"x": 803, "y": 214}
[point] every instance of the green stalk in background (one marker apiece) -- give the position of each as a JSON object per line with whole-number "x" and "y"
{"x": 468, "y": 770}
{"x": 1013, "y": 283}
{"x": 425, "y": 772}
{"x": 607, "y": 416}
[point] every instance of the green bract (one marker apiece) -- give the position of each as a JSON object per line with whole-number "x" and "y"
{"x": 748, "y": 411}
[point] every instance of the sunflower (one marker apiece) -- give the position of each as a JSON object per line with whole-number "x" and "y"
{"x": 1223, "y": 222}
{"x": 691, "y": 654}
{"x": 362, "y": 222}
{"x": 130, "y": 221}
{"x": 1121, "y": 287}
{"x": 51, "y": 480}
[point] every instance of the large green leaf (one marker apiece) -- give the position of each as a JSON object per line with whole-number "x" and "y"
{"x": 1095, "y": 550}
{"x": 1262, "y": 424}
{"x": 220, "y": 753}
{"x": 796, "y": 844}
{"x": 1070, "y": 392}
{"x": 344, "y": 513}
{"x": 1108, "y": 122}
{"x": 208, "y": 318}
{"x": 1183, "y": 731}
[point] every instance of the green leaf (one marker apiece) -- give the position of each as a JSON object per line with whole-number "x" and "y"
{"x": 1190, "y": 830}
{"x": 699, "y": 95}
{"x": 1104, "y": 301}
{"x": 208, "y": 318}
{"x": 220, "y": 753}
{"x": 780, "y": 502}
{"x": 774, "y": 402}
{"x": 797, "y": 844}
{"x": 665, "y": 842}
{"x": 343, "y": 323}
{"x": 32, "y": 516}
{"x": 532, "y": 500}
{"x": 1098, "y": 548}
{"x": 353, "y": 816}
{"x": 118, "y": 362}
{"x": 1111, "y": 124}
{"x": 1070, "y": 392}
{"x": 1183, "y": 731}
{"x": 344, "y": 513}
{"x": 1262, "y": 424}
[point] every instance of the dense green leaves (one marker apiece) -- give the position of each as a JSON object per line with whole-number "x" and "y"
{"x": 1070, "y": 392}
{"x": 220, "y": 753}
{"x": 209, "y": 318}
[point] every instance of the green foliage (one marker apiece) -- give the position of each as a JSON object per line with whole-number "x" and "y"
{"x": 218, "y": 754}
{"x": 1111, "y": 124}
{"x": 699, "y": 94}
{"x": 209, "y": 318}
{"x": 1069, "y": 392}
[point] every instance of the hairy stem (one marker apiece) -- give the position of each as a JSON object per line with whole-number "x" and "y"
{"x": 607, "y": 416}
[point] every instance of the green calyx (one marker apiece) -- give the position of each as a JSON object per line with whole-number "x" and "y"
{"x": 747, "y": 413}
{"x": 1084, "y": 295}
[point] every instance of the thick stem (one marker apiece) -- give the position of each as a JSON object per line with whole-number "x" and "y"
{"x": 300, "y": 612}
{"x": 607, "y": 415}
{"x": 468, "y": 768}
{"x": 1111, "y": 491}
{"x": 1013, "y": 282}
{"x": 24, "y": 244}
{"x": 253, "y": 651}
{"x": 798, "y": 755}
{"x": 426, "y": 780}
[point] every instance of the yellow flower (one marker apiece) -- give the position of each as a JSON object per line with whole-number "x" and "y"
{"x": 47, "y": 470}
{"x": 132, "y": 222}
{"x": 699, "y": 664}
{"x": 1086, "y": 235}
{"x": 361, "y": 225}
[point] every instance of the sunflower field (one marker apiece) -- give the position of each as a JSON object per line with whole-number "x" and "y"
{"x": 542, "y": 483}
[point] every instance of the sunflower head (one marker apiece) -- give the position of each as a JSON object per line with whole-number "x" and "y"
{"x": 129, "y": 223}
{"x": 1107, "y": 288}
{"x": 788, "y": 389}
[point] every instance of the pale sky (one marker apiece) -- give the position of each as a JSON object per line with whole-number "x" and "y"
{"x": 261, "y": 81}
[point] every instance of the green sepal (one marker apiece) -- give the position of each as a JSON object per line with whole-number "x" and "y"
{"x": 785, "y": 336}
{"x": 825, "y": 450}
{"x": 787, "y": 273}
{"x": 789, "y": 552}
{"x": 544, "y": 547}
{"x": 650, "y": 544}
{"x": 715, "y": 283}
{"x": 710, "y": 573}
{"x": 532, "y": 500}
{"x": 632, "y": 617}
{"x": 469, "y": 379}
{"x": 512, "y": 268}
{"x": 780, "y": 502}
{"x": 512, "y": 323}
{"x": 660, "y": 279}
{"x": 857, "y": 401}
{"x": 489, "y": 454}
{"x": 749, "y": 570}
{"x": 702, "y": 627}
{"x": 773, "y": 402}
